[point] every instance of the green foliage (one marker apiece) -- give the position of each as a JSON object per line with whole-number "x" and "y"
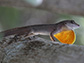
{"x": 9, "y": 17}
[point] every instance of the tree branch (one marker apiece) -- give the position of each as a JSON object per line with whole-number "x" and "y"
{"x": 38, "y": 50}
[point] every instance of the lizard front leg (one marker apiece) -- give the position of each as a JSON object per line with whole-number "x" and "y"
{"x": 51, "y": 36}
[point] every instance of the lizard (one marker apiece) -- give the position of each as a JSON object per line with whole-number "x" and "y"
{"x": 42, "y": 29}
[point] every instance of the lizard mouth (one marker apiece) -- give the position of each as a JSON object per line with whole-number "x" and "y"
{"x": 78, "y": 25}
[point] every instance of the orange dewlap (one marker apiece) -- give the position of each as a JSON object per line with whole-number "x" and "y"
{"x": 66, "y": 37}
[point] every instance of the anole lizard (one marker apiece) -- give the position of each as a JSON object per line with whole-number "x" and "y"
{"x": 42, "y": 29}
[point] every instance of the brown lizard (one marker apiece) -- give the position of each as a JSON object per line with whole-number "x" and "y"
{"x": 42, "y": 29}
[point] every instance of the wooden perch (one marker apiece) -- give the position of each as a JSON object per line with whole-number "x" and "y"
{"x": 58, "y": 6}
{"x": 38, "y": 50}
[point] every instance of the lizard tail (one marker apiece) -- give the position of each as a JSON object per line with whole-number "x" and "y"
{"x": 15, "y": 31}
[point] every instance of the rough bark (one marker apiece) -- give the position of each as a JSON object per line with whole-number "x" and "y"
{"x": 75, "y": 7}
{"x": 38, "y": 50}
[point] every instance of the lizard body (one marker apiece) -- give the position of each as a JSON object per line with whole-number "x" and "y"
{"x": 42, "y": 29}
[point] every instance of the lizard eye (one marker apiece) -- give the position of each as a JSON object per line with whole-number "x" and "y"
{"x": 72, "y": 22}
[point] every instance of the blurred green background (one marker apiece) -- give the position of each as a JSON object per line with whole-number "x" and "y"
{"x": 13, "y": 17}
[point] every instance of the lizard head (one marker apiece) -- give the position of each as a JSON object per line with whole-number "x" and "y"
{"x": 71, "y": 24}
{"x": 66, "y": 34}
